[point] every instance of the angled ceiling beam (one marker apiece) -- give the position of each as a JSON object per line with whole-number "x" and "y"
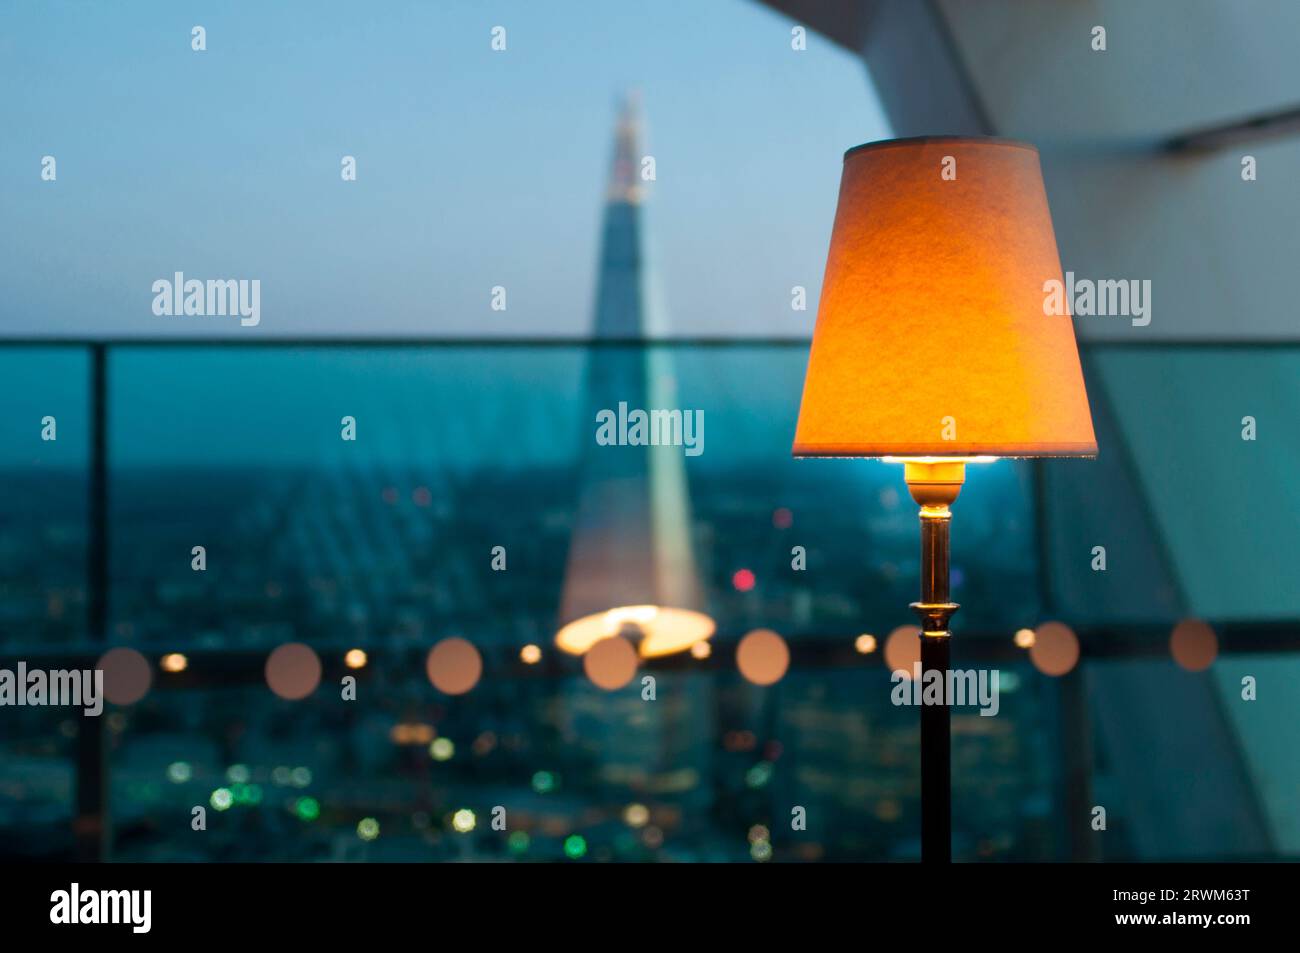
{"x": 1272, "y": 125}
{"x": 842, "y": 21}
{"x": 909, "y": 53}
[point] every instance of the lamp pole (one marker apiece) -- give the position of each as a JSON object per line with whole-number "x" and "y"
{"x": 934, "y": 484}
{"x": 898, "y": 296}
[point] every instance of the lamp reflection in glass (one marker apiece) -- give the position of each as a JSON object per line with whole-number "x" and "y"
{"x": 631, "y": 570}
{"x": 655, "y": 630}
{"x": 934, "y": 348}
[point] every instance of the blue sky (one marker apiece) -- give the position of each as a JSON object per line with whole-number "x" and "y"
{"x": 475, "y": 168}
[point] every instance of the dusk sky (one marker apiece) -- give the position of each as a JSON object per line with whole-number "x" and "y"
{"x": 475, "y": 168}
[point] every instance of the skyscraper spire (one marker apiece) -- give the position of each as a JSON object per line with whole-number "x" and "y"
{"x": 622, "y": 307}
{"x": 624, "y": 174}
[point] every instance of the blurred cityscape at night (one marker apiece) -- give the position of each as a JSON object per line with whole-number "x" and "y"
{"x": 386, "y": 547}
{"x": 371, "y": 551}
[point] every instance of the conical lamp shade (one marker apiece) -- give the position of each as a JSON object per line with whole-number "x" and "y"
{"x": 933, "y": 337}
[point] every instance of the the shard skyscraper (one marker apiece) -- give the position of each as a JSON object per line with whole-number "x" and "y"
{"x": 631, "y": 567}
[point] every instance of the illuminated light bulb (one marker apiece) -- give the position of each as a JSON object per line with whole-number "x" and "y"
{"x": 518, "y": 841}
{"x": 610, "y": 663}
{"x": 293, "y": 671}
{"x": 757, "y": 776}
{"x": 660, "y": 630}
{"x": 763, "y": 657}
{"x": 865, "y": 644}
{"x": 1024, "y": 638}
{"x": 1055, "y": 650}
{"x": 743, "y": 580}
{"x": 903, "y": 649}
{"x": 355, "y": 658}
{"x": 636, "y": 815}
{"x": 1193, "y": 645}
{"x": 530, "y": 654}
{"x": 307, "y": 808}
{"x": 454, "y": 666}
{"x": 174, "y": 662}
{"x": 640, "y": 616}
{"x": 421, "y": 734}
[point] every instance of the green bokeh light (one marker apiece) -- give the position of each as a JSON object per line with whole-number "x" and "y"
{"x": 759, "y": 774}
{"x": 518, "y": 841}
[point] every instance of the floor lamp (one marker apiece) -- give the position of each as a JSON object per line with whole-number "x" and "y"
{"x": 937, "y": 344}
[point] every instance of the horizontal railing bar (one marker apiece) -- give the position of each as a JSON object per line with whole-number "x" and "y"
{"x": 556, "y": 341}
{"x": 1101, "y": 643}
{"x": 562, "y": 342}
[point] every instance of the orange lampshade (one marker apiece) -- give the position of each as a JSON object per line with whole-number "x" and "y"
{"x": 933, "y": 337}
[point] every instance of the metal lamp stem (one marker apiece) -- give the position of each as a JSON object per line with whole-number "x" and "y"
{"x": 934, "y": 485}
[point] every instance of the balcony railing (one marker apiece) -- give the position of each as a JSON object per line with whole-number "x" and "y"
{"x": 383, "y": 543}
